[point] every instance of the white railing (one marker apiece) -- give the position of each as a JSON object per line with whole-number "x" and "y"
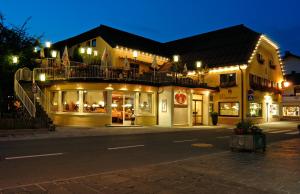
{"x": 42, "y": 99}
{"x": 24, "y": 74}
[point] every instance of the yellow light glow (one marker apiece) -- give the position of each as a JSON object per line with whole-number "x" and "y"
{"x": 286, "y": 84}
{"x": 47, "y": 44}
{"x": 124, "y": 88}
{"x": 219, "y": 70}
{"x": 198, "y": 64}
{"x": 42, "y": 77}
{"x": 82, "y": 50}
{"x": 35, "y": 49}
{"x": 53, "y": 54}
{"x": 135, "y": 54}
{"x": 15, "y": 59}
{"x": 95, "y": 53}
{"x": 268, "y": 98}
{"x": 176, "y": 58}
{"x": 109, "y": 87}
{"x": 89, "y": 51}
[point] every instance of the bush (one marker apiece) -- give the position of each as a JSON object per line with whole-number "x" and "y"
{"x": 247, "y": 127}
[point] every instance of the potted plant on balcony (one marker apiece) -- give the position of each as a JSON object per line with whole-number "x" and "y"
{"x": 248, "y": 137}
{"x": 214, "y": 118}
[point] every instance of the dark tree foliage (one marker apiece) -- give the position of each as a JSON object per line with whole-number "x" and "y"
{"x": 14, "y": 40}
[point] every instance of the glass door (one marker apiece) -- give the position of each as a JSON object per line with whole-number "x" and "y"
{"x": 122, "y": 108}
{"x": 197, "y": 112}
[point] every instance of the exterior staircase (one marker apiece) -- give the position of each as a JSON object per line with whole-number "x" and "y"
{"x": 35, "y": 106}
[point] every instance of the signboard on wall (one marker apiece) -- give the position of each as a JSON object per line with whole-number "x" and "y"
{"x": 180, "y": 98}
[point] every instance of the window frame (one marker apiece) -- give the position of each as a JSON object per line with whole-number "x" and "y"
{"x": 232, "y": 102}
{"x": 261, "y": 106}
{"x": 228, "y": 83}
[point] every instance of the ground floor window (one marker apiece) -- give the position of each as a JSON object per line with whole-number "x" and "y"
{"x": 94, "y": 101}
{"x": 229, "y": 109}
{"x": 274, "y": 109}
{"x": 70, "y": 101}
{"x": 145, "y": 102}
{"x": 291, "y": 111}
{"x": 54, "y": 101}
{"x": 255, "y": 109}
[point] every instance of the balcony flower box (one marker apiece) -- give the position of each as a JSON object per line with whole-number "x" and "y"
{"x": 247, "y": 137}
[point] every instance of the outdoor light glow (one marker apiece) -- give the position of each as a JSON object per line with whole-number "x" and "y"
{"x": 42, "y": 77}
{"x": 95, "y": 53}
{"x": 15, "y": 59}
{"x": 82, "y": 50}
{"x": 135, "y": 54}
{"x": 198, "y": 64}
{"x": 176, "y": 58}
{"x": 286, "y": 84}
{"x": 53, "y": 54}
{"x": 109, "y": 87}
{"x": 35, "y": 49}
{"x": 268, "y": 98}
{"x": 47, "y": 44}
{"x": 89, "y": 51}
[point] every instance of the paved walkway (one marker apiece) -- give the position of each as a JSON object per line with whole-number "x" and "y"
{"x": 276, "y": 171}
{"x": 63, "y": 132}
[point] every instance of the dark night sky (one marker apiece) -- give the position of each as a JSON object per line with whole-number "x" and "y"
{"x": 162, "y": 20}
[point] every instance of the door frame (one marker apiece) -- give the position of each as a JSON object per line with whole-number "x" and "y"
{"x": 194, "y": 101}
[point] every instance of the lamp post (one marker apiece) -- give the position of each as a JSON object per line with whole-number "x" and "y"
{"x": 198, "y": 68}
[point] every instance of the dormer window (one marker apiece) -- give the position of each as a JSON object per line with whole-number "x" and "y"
{"x": 260, "y": 58}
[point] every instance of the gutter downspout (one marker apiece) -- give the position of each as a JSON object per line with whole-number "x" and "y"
{"x": 242, "y": 92}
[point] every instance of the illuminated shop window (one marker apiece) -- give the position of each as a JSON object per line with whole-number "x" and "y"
{"x": 94, "y": 101}
{"x": 145, "y": 102}
{"x": 255, "y": 109}
{"x": 54, "y": 101}
{"x": 70, "y": 101}
{"x": 229, "y": 109}
{"x": 274, "y": 109}
{"x": 291, "y": 111}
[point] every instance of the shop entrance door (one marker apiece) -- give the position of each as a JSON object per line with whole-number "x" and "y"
{"x": 197, "y": 112}
{"x": 122, "y": 108}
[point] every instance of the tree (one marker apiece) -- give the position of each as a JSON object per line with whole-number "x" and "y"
{"x": 14, "y": 41}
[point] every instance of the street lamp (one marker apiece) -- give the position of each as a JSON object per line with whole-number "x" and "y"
{"x": 198, "y": 64}
{"x": 286, "y": 84}
{"x": 15, "y": 59}
{"x": 42, "y": 77}
{"x": 135, "y": 54}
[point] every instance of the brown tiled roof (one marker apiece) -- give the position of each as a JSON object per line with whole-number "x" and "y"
{"x": 228, "y": 46}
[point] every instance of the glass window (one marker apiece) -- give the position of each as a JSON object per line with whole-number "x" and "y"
{"x": 255, "y": 109}
{"x": 274, "y": 109}
{"x": 228, "y": 80}
{"x": 70, "y": 101}
{"x": 54, "y": 101}
{"x": 145, "y": 102}
{"x": 94, "y": 43}
{"x": 94, "y": 101}
{"x": 291, "y": 111}
{"x": 229, "y": 109}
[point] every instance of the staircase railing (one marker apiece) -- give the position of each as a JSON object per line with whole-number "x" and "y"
{"x": 24, "y": 74}
{"x": 42, "y": 99}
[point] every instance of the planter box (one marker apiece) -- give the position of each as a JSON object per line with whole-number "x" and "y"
{"x": 248, "y": 142}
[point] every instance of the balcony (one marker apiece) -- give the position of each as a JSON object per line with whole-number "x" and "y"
{"x": 97, "y": 73}
{"x": 261, "y": 84}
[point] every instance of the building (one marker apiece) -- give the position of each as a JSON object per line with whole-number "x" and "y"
{"x": 291, "y": 98}
{"x": 291, "y": 63}
{"x": 115, "y": 76}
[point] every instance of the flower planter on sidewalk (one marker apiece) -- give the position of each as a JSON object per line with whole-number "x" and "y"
{"x": 248, "y": 137}
{"x": 248, "y": 142}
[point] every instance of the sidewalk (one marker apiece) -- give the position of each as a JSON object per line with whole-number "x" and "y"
{"x": 276, "y": 171}
{"x": 63, "y": 132}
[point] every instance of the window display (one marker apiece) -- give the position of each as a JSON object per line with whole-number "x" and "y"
{"x": 94, "y": 101}
{"x": 255, "y": 109}
{"x": 229, "y": 109}
{"x": 274, "y": 109}
{"x": 70, "y": 101}
{"x": 145, "y": 102}
{"x": 291, "y": 111}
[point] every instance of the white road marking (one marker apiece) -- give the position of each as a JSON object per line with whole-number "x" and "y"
{"x": 185, "y": 140}
{"x": 125, "y": 147}
{"x": 33, "y": 156}
{"x": 280, "y": 131}
{"x": 293, "y": 133}
{"x": 223, "y": 137}
{"x": 40, "y": 187}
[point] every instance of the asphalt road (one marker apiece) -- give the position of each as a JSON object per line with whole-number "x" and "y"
{"x": 32, "y": 161}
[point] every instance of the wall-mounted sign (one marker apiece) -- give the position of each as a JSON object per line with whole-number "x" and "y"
{"x": 180, "y": 98}
{"x": 164, "y": 105}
